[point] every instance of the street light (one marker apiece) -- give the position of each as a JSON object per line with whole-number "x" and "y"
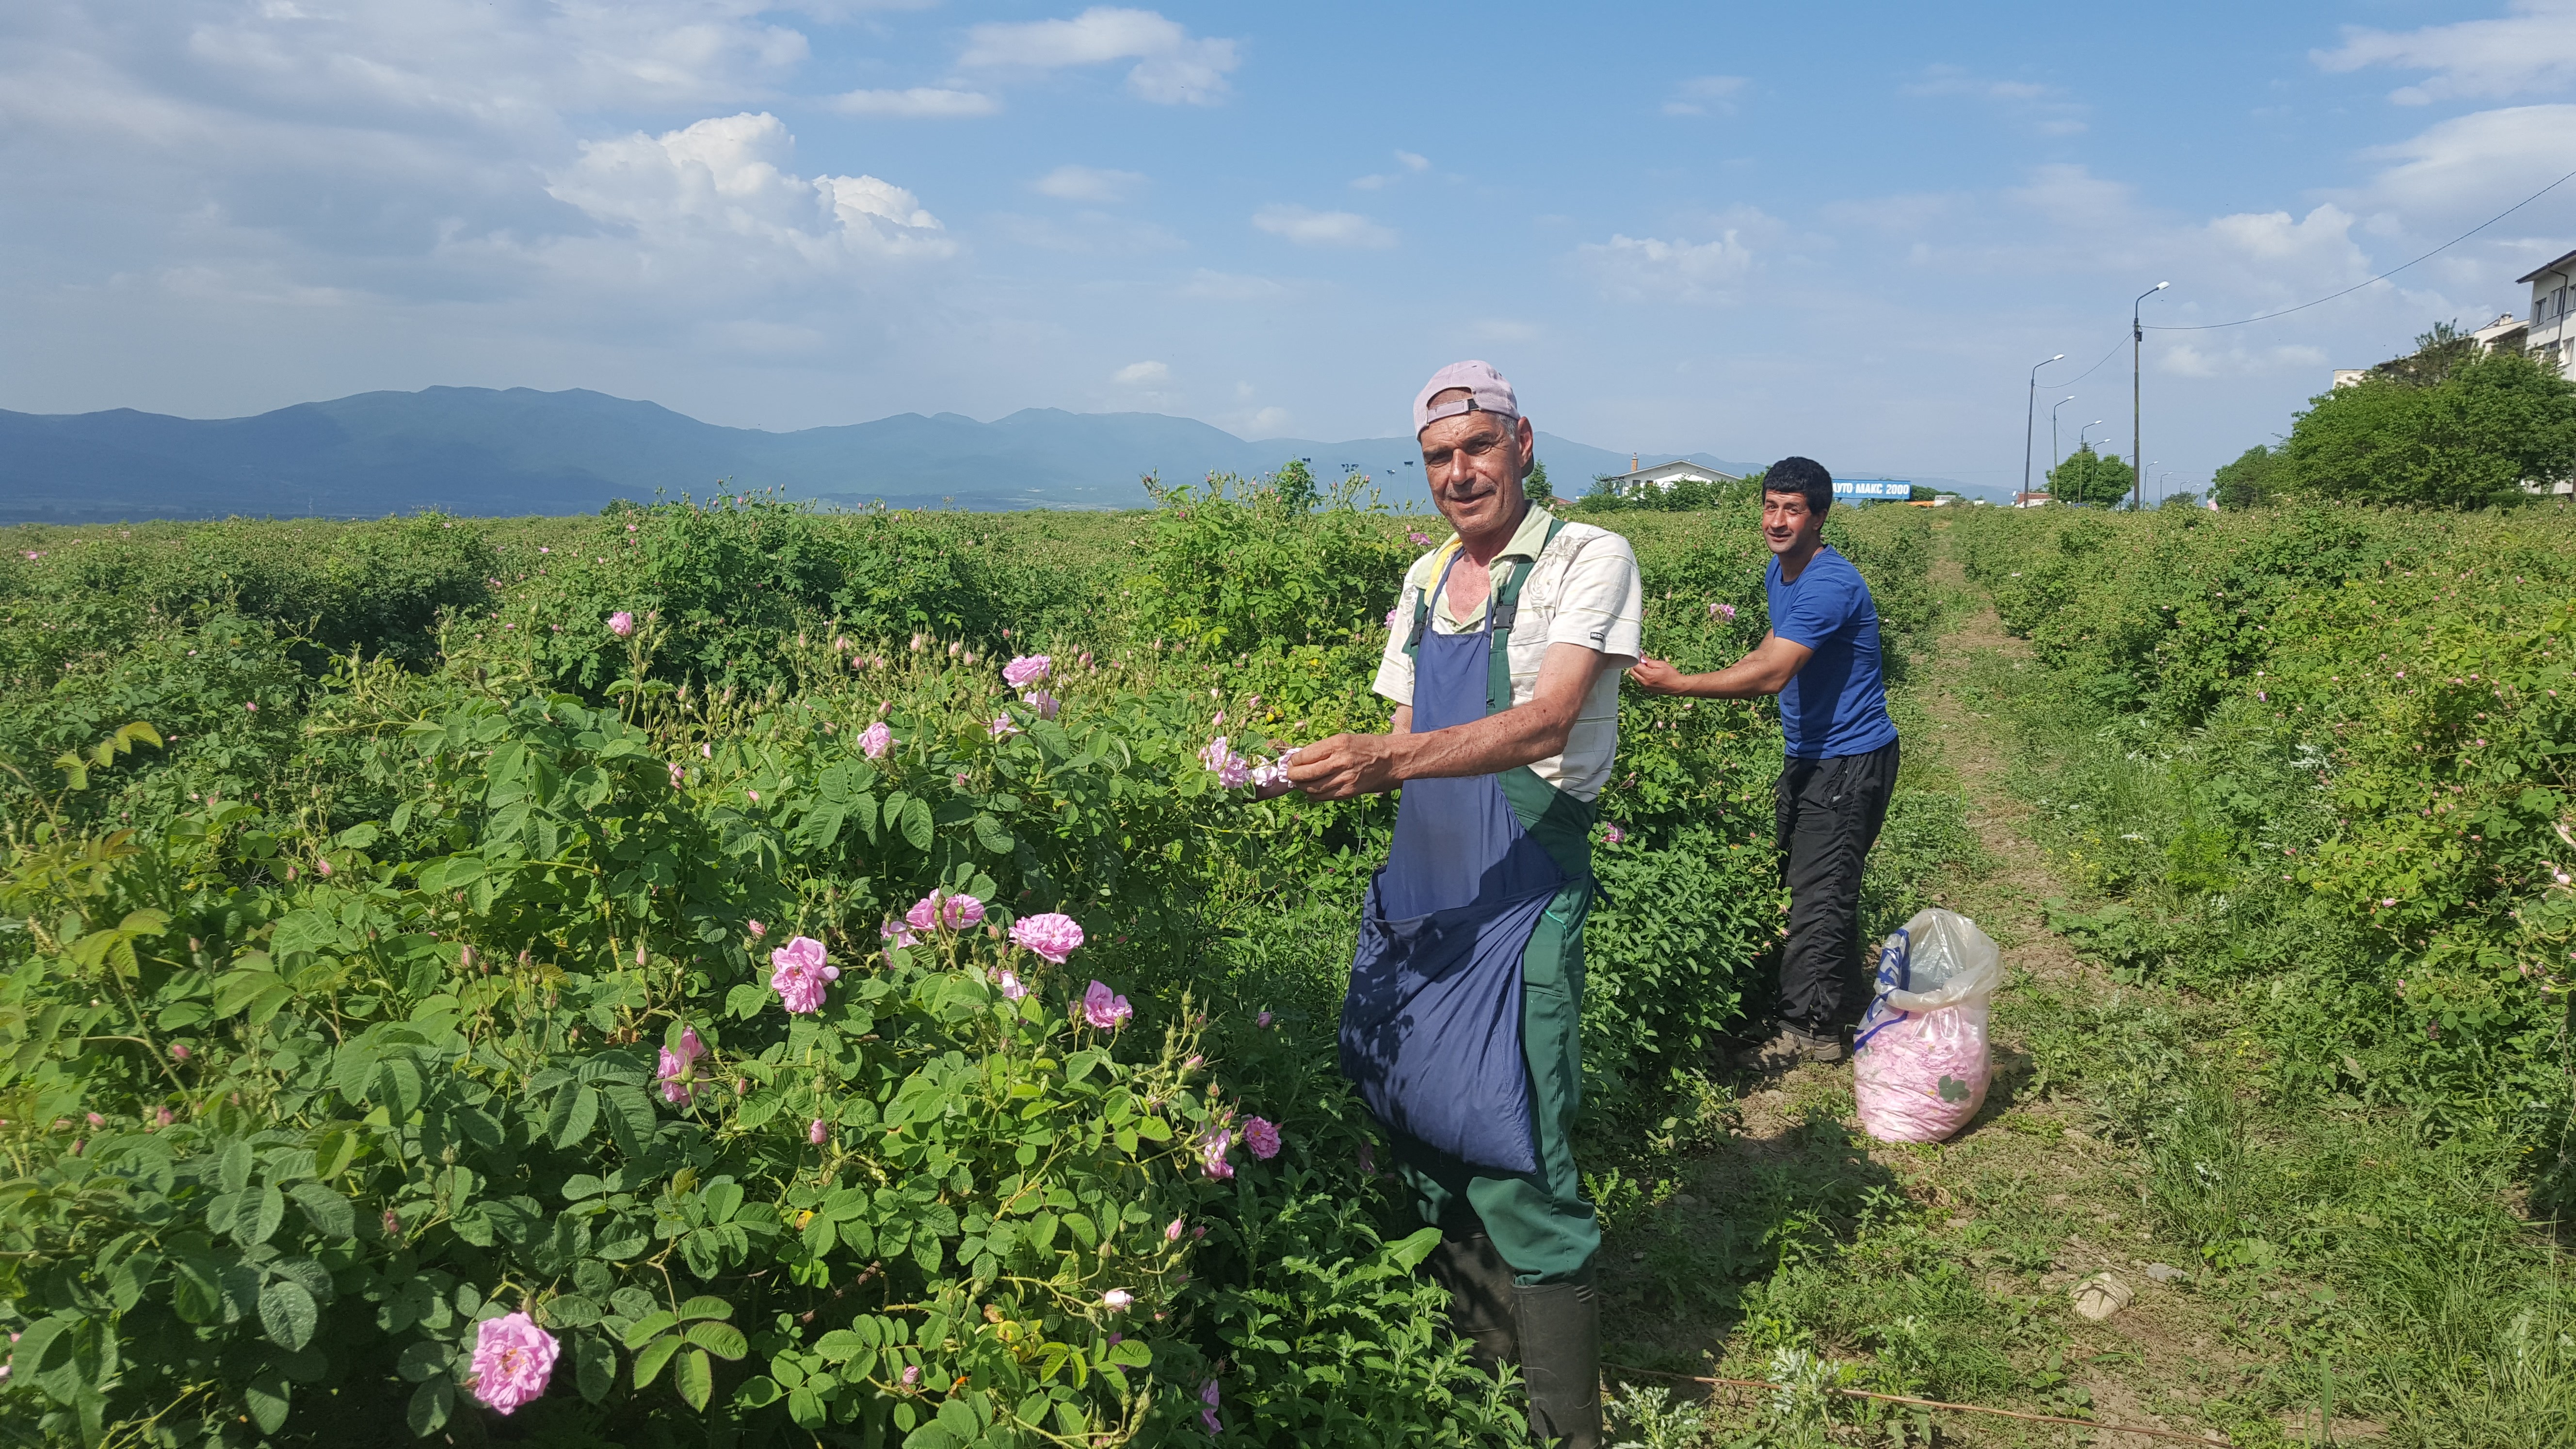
{"x": 2080, "y": 444}
{"x": 2054, "y": 456}
{"x": 2137, "y": 339}
{"x": 2030, "y": 417}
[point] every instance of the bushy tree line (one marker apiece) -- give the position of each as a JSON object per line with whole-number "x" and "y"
{"x": 2450, "y": 425}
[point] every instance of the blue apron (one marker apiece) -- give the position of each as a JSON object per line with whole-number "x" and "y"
{"x": 1431, "y": 1029}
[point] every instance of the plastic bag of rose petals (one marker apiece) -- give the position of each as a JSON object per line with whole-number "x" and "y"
{"x": 1921, "y": 1061}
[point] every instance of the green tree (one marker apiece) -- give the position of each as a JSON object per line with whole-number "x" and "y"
{"x": 2090, "y": 477}
{"x": 2251, "y": 481}
{"x": 2469, "y": 437}
{"x": 1605, "y": 496}
{"x": 1536, "y": 484}
{"x": 1295, "y": 485}
{"x": 1922, "y": 493}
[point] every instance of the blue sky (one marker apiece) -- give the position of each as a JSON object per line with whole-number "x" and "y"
{"x": 1841, "y": 230}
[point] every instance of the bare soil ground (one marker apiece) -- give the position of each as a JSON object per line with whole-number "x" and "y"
{"x": 2031, "y": 1199}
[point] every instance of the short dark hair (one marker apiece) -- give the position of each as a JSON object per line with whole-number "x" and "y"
{"x": 1803, "y": 476}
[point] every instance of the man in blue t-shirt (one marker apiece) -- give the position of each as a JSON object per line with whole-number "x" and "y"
{"x": 1821, "y": 658}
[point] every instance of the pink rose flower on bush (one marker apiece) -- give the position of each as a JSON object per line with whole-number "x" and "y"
{"x": 1207, "y": 1416}
{"x": 817, "y": 1132}
{"x": 1012, "y": 990}
{"x": 678, "y": 1069}
{"x": 803, "y": 971}
{"x": 1053, "y": 935}
{"x": 1211, "y": 1145}
{"x": 621, "y": 623}
{"x": 897, "y": 935}
{"x": 1262, "y": 1136}
{"x": 1104, "y": 1009}
{"x": 1026, "y": 670}
{"x": 875, "y": 740}
{"x": 934, "y": 910}
{"x": 513, "y": 1359}
{"x": 1044, "y": 703}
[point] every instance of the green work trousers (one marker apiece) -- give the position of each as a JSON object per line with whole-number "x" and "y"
{"x": 1538, "y": 1221}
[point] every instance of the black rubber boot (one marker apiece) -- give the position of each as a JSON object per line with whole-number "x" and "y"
{"x": 1480, "y": 1297}
{"x": 1560, "y": 1333}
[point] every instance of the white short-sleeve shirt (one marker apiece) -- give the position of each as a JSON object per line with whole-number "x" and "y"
{"x": 1583, "y": 590}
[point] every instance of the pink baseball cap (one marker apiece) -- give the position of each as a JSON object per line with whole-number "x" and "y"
{"x": 1487, "y": 392}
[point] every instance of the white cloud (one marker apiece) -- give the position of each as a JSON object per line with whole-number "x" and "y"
{"x": 920, "y": 102}
{"x": 1322, "y": 228}
{"x": 1266, "y": 423}
{"x": 720, "y": 181}
{"x": 1087, "y": 183}
{"x": 2473, "y": 160}
{"x": 1142, "y": 374}
{"x": 1208, "y": 286}
{"x": 2072, "y": 196}
{"x": 1702, "y": 94}
{"x": 2046, "y": 106}
{"x": 2186, "y": 359}
{"x": 1172, "y": 66}
{"x": 2531, "y": 51}
{"x": 1410, "y": 161}
{"x": 1638, "y": 269}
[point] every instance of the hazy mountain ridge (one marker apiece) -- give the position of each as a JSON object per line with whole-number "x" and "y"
{"x": 517, "y": 451}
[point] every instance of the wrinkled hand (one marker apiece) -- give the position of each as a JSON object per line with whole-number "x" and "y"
{"x": 1656, "y": 676}
{"x": 1342, "y": 766}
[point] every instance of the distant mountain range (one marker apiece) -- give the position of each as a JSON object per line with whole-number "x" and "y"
{"x": 479, "y": 451}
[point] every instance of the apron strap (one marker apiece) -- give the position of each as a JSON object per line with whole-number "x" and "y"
{"x": 1500, "y": 618}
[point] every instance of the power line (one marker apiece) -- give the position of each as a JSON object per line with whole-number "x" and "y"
{"x": 2384, "y": 276}
{"x": 2088, "y": 372}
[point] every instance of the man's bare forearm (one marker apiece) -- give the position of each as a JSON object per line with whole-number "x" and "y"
{"x": 1489, "y": 746}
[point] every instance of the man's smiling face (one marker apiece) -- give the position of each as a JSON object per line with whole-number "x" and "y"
{"x": 1474, "y": 463}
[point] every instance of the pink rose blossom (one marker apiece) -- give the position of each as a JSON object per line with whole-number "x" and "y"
{"x": 1026, "y": 670}
{"x": 1262, "y": 1136}
{"x": 678, "y": 1069}
{"x": 816, "y": 1133}
{"x": 179, "y": 1052}
{"x": 1613, "y": 835}
{"x": 1418, "y": 539}
{"x": 621, "y": 623}
{"x": 897, "y": 935}
{"x": 1172, "y": 1232}
{"x": 1104, "y": 1009}
{"x": 875, "y": 740}
{"x": 1045, "y": 704}
{"x": 1002, "y": 727}
{"x": 1207, "y": 1416}
{"x": 1052, "y": 935}
{"x": 1117, "y": 1300}
{"x": 802, "y": 973}
{"x": 96, "y": 1120}
{"x": 758, "y": 930}
{"x": 1012, "y": 990}
{"x": 163, "y": 1117}
{"x": 677, "y": 775}
{"x": 956, "y": 912}
{"x": 1262, "y": 1021}
{"x": 513, "y": 1358}
{"x": 1211, "y": 1145}
{"x": 911, "y": 1375}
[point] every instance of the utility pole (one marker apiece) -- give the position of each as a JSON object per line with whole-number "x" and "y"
{"x": 2137, "y": 340}
{"x": 2030, "y": 419}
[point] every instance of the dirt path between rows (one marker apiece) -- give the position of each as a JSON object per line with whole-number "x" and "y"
{"x": 2031, "y": 1198}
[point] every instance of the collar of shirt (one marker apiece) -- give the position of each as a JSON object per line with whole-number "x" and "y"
{"x": 1526, "y": 542}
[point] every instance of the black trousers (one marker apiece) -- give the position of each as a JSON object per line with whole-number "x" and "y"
{"x": 1828, "y": 815}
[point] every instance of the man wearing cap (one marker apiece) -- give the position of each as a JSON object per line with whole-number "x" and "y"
{"x": 1821, "y": 657}
{"x": 1461, "y": 1030}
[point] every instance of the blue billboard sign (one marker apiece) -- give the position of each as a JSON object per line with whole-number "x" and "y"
{"x": 1873, "y": 488}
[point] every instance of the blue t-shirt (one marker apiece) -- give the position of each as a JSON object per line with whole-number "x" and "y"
{"x": 1837, "y": 703}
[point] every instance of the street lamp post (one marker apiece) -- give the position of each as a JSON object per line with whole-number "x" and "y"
{"x": 2137, "y": 340}
{"x": 2030, "y": 418}
{"x": 2082, "y": 443}
{"x": 2056, "y": 457}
